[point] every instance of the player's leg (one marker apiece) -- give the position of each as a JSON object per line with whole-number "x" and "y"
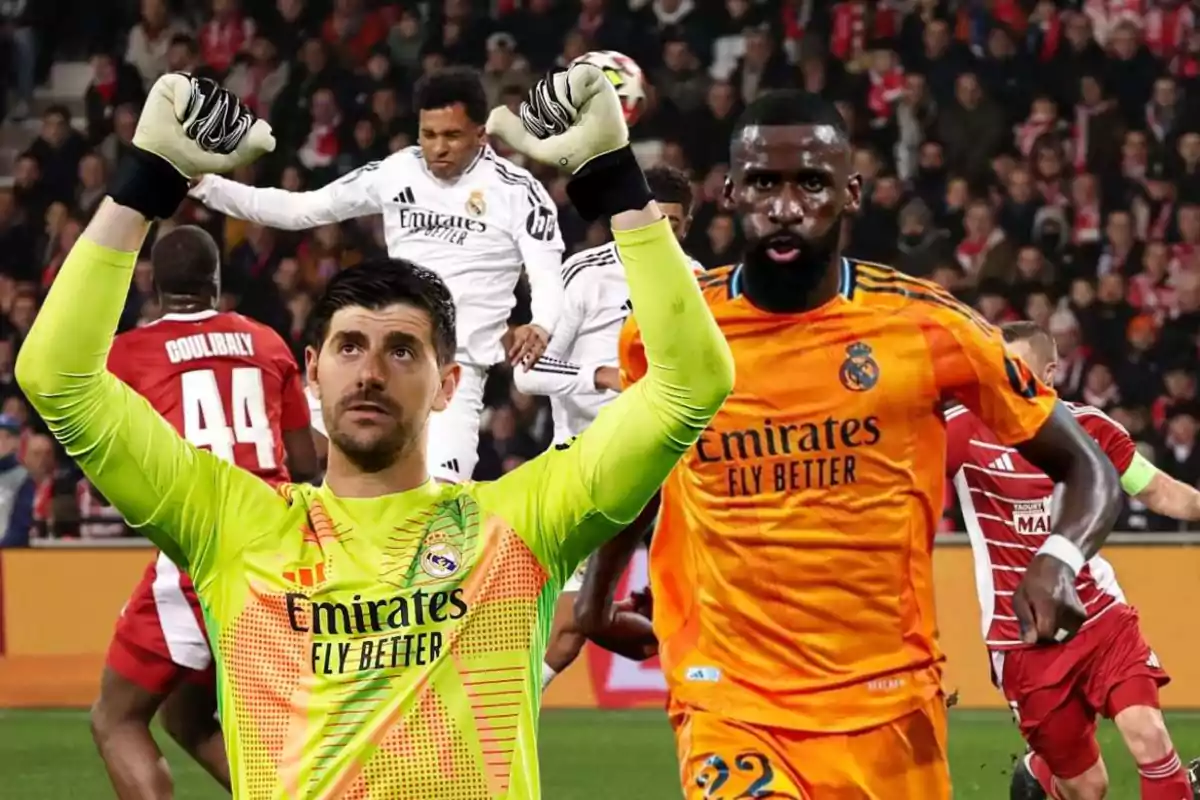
{"x": 720, "y": 757}
{"x": 1124, "y": 682}
{"x": 453, "y": 436}
{"x": 1056, "y": 719}
{"x": 120, "y": 721}
{"x": 189, "y": 716}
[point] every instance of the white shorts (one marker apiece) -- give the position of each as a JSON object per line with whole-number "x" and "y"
{"x": 453, "y": 434}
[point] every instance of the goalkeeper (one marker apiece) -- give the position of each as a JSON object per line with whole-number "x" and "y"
{"x": 382, "y": 635}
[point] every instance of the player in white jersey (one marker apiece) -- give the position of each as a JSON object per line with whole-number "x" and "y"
{"x": 452, "y": 205}
{"x": 1108, "y": 669}
{"x": 579, "y": 371}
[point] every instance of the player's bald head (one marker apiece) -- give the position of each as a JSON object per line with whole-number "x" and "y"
{"x": 1033, "y": 345}
{"x": 187, "y": 263}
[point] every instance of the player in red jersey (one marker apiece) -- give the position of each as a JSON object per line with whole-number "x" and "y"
{"x": 230, "y": 384}
{"x": 1057, "y": 691}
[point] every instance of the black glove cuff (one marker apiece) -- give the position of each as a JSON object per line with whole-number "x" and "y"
{"x": 148, "y": 184}
{"x": 608, "y": 185}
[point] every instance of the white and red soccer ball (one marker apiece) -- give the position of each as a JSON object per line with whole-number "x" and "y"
{"x": 625, "y": 75}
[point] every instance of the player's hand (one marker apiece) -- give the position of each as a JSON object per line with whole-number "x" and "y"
{"x": 629, "y": 631}
{"x": 608, "y": 379}
{"x": 1046, "y": 604}
{"x": 527, "y": 345}
{"x": 569, "y": 118}
{"x": 200, "y": 128}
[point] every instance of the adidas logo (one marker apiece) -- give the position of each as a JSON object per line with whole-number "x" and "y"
{"x": 451, "y": 465}
{"x": 1003, "y": 464}
{"x": 405, "y": 196}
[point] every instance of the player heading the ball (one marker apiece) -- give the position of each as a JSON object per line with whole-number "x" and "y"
{"x": 381, "y": 635}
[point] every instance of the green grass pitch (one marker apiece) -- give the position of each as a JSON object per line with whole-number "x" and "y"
{"x": 586, "y": 755}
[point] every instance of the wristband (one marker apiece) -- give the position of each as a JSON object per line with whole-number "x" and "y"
{"x": 548, "y": 674}
{"x": 609, "y": 184}
{"x": 148, "y": 184}
{"x": 1066, "y": 551}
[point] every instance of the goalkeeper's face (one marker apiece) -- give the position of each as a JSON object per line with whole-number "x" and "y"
{"x": 378, "y": 378}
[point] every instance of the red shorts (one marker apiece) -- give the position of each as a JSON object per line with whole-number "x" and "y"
{"x": 1056, "y": 691}
{"x": 160, "y": 638}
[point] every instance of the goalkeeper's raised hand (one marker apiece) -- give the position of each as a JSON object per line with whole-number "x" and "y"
{"x": 189, "y": 127}
{"x": 572, "y": 120}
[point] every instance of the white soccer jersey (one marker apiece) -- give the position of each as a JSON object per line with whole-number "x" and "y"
{"x": 595, "y": 306}
{"x": 475, "y": 231}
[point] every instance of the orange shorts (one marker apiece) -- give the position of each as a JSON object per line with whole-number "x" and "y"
{"x": 723, "y": 759}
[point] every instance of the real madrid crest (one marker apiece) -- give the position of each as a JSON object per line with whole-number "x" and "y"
{"x": 860, "y": 371}
{"x": 476, "y": 207}
{"x": 441, "y": 560}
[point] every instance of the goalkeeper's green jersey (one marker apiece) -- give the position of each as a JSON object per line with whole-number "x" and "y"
{"x": 390, "y": 647}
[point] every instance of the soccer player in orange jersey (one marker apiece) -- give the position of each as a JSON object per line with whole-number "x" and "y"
{"x": 791, "y": 566}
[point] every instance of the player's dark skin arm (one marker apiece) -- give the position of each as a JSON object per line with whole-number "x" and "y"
{"x": 625, "y": 631}
{"x": 301, "y": 454}
{"x": 1046, "y": 601}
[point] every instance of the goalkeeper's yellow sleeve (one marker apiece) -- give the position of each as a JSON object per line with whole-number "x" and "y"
{"x": 568, "y": 501}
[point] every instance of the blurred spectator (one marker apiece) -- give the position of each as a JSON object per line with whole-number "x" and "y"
{"x": 113, "y": 84}
{"x": 226, "y": 34}
{"x": 19, "y": 25}
{"x": 16, "y": 488}
{"x": 57, "y": 149}
{"x": 150, "y": 40}
{"x": 258, "y": 76}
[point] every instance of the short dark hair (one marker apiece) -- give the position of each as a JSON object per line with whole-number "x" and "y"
{"x": 449, "y": 86}
{"x": 670, "y": 185}
{"x": 185, "y": 40}
{"x": 186, "y": 262}
{"x": 790, "y": 107}
{"x": 1021, "y": 330}
{"x": 1028, "y": 331}
{"x": 380, "y": 283}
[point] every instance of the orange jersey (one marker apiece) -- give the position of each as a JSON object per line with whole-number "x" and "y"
{"x": 792, "y": 562}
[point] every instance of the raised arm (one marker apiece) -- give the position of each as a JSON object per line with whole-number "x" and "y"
{"x": 353, "y": 195}
{"x": 163, "y": 486}
{"x": 570, "y": 500}
{"x": 553, "y": 374}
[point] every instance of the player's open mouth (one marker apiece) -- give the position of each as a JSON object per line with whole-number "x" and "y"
{"x": 782, "y": 249}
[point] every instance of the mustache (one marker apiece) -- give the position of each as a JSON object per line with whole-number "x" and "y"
{"x": 368, "y": 395}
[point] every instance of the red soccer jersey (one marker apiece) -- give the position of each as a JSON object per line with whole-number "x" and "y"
{"x": 225, "y": 382}
{"x": 1007, "y": 508}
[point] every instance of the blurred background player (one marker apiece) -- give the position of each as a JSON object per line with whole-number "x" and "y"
{"x": 454, "y": 206}
{"x": 579, "y": 371}
{"x": 1108, "y": 669}
{"x": 791, "y": 565}
{"x": 230, "y": 385}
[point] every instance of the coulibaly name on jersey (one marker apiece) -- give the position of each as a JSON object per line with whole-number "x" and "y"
{"x": 346, "y": 643}
{"x": 792, "y": 456}
{"x": 444, "y": 227}
{"x": 209, "y": 345}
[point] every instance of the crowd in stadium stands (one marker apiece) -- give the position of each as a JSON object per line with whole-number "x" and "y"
{"x": 1039, "y": 159}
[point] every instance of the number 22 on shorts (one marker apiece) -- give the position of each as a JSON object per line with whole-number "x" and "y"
{"x": 750, "y": 777}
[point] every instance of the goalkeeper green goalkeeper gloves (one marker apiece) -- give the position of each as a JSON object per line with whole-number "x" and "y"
{"x": 189, "y": 127}
{"x": 573, "y": 120}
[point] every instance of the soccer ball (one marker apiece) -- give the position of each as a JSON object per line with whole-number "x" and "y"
{"x": 626, "y": 75}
